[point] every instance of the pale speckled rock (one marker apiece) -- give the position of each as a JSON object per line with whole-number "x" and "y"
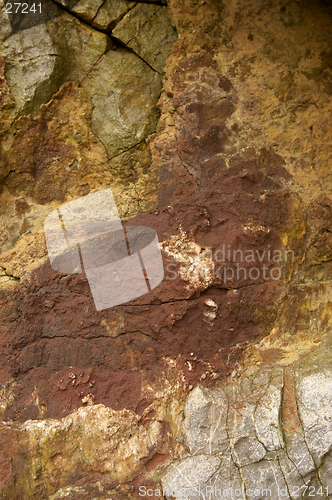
{"x": 124, "y": 91}
{"x": 41, "y": 59}
{"x": 148, "y": 31}
{"x": 325, "y": 472}
{"x": 202, "y": 406}
{"x": 95, "y": 490}
{"x": 246, "y": 448}
{"x": 5, "y": 28}
{"x": 315, "y": 410}
{"x": 226, "y": 483}
{"x": 115, "y": 445}
{"x": 265, "y": 480}
{"x": 271, "y": 447}
{"x": 267, "y": 417}
{"x": 115, "y": 442}
{"x": 189, "y": 473}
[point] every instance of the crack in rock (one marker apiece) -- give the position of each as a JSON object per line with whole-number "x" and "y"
{"x": 243, "y": 426}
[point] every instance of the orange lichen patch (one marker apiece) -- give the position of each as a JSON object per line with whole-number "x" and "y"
{"x": 289, "y": 409}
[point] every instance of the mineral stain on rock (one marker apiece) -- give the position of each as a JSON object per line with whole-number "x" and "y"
{"x": 211, "y": 122}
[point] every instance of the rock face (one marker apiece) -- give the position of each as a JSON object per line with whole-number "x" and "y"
{"x": 147, "y": 30}
{"x": 267, "y": 435}
{"x": 37, "y": 62}
{"x": 211, "y": 123}
{"x": 124, "y": 114}
{"x": 102, "y": 15}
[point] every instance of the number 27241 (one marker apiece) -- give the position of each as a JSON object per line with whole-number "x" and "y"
{"x": 22, "y": 8}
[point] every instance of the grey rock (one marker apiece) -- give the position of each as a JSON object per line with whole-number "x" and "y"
{"x": 189, "y": 474}
{"x": 315, "y": 409}
{"x": 267, "y": 418}
{"x": 325, "y": 472}
{"x": 148, "y": 31}
{"x": 226, "y": 483}
{"x": 301, "y": 458}
{"x": 68, "y": 4}
{"x": 24, "y": 19}
{"x": 5, "y": 28}
{"x": 205, "y": 421}
{"x": 265, "y": 480}
{"x": 247, "y": 450}
{"x": 124, "y": 92}
{"x": 263, "y": 455}
{"x": 241, "y": 427}
{"x": 39, "y": 60}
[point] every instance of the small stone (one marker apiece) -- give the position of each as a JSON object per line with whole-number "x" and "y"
{"x": 49, "y": 303}
{"x": 211, "y": 303}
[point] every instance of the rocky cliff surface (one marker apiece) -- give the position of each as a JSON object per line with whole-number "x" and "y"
{"x": 211, "y": 122}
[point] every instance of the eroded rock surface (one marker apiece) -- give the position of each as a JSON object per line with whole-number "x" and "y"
{"x": 38, "y": 63}
{"x": 123, "y": 92}
{"x": 268, "y": 435}
{"x": 147, "y": 30}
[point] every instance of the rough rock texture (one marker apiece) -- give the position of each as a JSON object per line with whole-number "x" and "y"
{"x": 147, "y": 30}
{"x": 102, "y": 15}
{"x": 124, "y": 113}
{"x": 221, "y": 375}
{"x": 37, "y": 61}
{"x": 267, "y": 435}
{"x": 123, "y": 91}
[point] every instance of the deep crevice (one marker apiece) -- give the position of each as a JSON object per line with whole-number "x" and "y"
{"x": 98, "y": 10}
{"x": 143, "y": 25}
{"x": 126, "y": 150}
{"x": 162, "y": 4}
{"x": 66, "y": 9}
{"x": 108, "y": 33}
{"x": 114, "y": 23}
{"x": 119, "y": 43}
